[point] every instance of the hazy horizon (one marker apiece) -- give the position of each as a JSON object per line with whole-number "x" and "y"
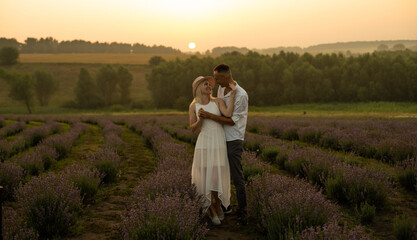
{"x": 261, "y": 24}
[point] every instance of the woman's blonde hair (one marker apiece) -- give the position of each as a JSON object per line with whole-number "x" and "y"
{"x": 198, "y": 94}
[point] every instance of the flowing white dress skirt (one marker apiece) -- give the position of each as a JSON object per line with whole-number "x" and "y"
{"x": 210, "y": 170}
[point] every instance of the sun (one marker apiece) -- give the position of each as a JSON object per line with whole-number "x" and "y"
{"x": 191, "y": 45}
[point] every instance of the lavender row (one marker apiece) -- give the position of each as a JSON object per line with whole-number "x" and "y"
{"x": 11, "y": 129}
{"x": 111, "y": 133}
{"x": 283, "y": 207}
{"x": 407, "y": 174}
{"x": 165, "y": 204}
{"x": 33, "y": 163}
{"x": 347, "y": 184}
{"x": 49, "y": 205}
{"x": 387, "y": 140}
{"x": 2, "y": 122}
{"x": 28, "y": 138}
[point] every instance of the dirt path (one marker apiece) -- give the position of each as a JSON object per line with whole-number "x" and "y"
{"x": 101, "y": 217}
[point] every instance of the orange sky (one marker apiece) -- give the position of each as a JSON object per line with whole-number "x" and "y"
{"x": 244, "y": 23}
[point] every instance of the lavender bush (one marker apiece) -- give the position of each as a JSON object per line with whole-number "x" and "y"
{"x": 165, "y": 217}
{"x": 354, "y": 185}
{"x": 283, "y": 206}
{"x": 11, "y": 175}
{"x": 387, "y": 140}
{"x": 85, "y": 179}
{"x": 12, "y": 129}
{"x": 5, "y": 150}
{"x": 252, "y": 166}
{"x": 403, "y": 228}
{"x": 31, "y": 162}
{"x": 331, "y": 231}
{"x": 48, "y": 155}
{"x": 407, "y": 174}
{"x": 107, "y": 163}
{"x": 50, "y": 204}
{"x": 15, "y": 228}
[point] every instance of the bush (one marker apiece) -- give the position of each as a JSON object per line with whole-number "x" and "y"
{"x": 333, "y": 231}
{"x": 165, "y": 217}
{"x": 354, "y": 186}
{"x": 107, "y": 163}
{"x": 403, "y": 229}
{"x": 9, "y": 55}
{"x": 284, "y": 206}
{"x": 407, "y": 174}
{"x": 269, "y": 154}
{"x": 117, "y": 108}
{"x": 367, "y": 213}
{"x": 50, "y": 204}
{"x": 85, "y": 179}
{"x": 11, "y": 175}
{"x": 32, "y": 163}
{"x": 14, "y": 226}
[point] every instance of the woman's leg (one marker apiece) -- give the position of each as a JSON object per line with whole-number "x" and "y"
{"x": 215, "y": 202}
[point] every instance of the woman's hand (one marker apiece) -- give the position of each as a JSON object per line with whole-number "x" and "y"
{"x": 233, "y": 87}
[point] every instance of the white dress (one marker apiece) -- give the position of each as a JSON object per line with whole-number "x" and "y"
{"x": 210, "y": 170}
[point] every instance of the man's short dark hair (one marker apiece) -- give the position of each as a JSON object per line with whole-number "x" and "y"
{"x": 222, "y": 68}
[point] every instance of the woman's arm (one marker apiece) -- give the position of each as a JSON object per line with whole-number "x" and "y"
{"x": 228, "y": 111}
{"x": 195, "y": 124}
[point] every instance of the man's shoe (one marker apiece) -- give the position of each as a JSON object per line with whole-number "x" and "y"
{"x": 227, "y": 210}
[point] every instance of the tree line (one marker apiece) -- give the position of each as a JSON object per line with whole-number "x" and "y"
{"x": 51, "y": 45}
{"x": 108, "y": 87}
{"x": 288, "y": 77}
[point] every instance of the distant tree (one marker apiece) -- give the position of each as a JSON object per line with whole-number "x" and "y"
{"x": 22, "y": 89}
{"x": 156, "y": 60}
{"x": 125, "y": 82}
{"x": 107, "y": 80}
{"x": 398, "y": 46}
{"x": 86, "y": 90}
{"x": 382, "y": 47}
{"x": 45, "y": 86}
{"x": 9, "y": 55}
{"x": 9, "y": 42}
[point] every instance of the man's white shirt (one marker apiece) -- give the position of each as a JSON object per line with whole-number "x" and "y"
{"x": 240, "y": 113}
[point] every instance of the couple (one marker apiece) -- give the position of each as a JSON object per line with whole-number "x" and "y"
{"x": 221, "y": 122}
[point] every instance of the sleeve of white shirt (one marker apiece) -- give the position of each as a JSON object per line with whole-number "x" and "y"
{"x": 240, "y": 106}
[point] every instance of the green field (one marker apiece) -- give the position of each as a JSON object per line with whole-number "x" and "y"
{"x": 67, "y": 73}
{"x": 66, "y": 68}
{"x": 104, "y": 58}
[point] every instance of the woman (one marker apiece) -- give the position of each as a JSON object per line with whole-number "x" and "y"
{"x": 210, "y": 171}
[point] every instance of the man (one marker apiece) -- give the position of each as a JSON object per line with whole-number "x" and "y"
{"x": 234, "y": 129}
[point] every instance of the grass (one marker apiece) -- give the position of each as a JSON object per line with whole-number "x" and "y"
{"x": 371, "y": 109}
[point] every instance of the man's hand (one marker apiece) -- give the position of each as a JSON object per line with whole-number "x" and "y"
{"x": 203, "y": 114}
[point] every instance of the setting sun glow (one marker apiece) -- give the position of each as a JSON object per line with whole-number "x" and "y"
{"x": 241, "y": 23}
{"x": 191, "y": 45}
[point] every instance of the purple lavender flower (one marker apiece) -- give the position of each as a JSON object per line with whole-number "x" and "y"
{"x": 49, "y": 204}
{"x": 11, "y": 175}
{"x": 107, "y": 162}
{"x": 86, "y": 179}
{"x": 14, "y": 226}
{"x": 164, "y": 217}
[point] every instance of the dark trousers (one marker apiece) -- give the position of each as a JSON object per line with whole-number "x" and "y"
{"x": 234, "y": 153}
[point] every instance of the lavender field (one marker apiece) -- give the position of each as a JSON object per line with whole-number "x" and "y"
{"x": 129, "y": 177}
